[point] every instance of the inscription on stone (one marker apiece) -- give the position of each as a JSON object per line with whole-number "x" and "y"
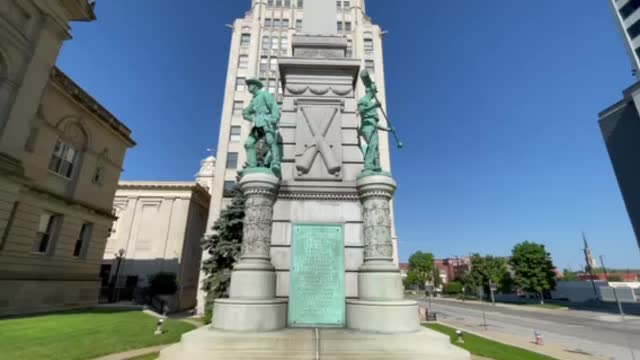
{"x": 317, "y": 296}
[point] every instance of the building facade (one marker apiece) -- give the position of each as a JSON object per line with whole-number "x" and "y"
{"x": 627, "y": 18}
{"x": 61, "y": 155}
{"x": 262, "y": 37}
{"x": 159, "y": 229}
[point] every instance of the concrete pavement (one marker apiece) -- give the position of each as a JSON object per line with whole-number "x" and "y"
{"x": 568, "y": 334}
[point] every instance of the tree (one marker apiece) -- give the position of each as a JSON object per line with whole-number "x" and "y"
{"x": 437, "y": 280}
{"x": 533, "y": 268}
{"x": 411, "y": 281}
{"x": 420, "y": 268}
{"x": 224, "y": 247}
{"x": 568, "y": 275}
{"x": 485, "y": 269}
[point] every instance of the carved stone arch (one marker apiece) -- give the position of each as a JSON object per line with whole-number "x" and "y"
{"x": 246, "y": 29}
{"x": 72, "y": 130}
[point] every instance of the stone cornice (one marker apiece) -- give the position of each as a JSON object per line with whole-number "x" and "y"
{"x": 159, "y": 185}
{"x": 59, "y": 78}
{"x": 318, "y": 196}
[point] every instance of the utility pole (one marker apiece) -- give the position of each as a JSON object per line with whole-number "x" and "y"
{"x": 588, "y": 259}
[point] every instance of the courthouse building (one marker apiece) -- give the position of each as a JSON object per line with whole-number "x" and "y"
{"x": 259, "y": 39}
{"x": 61, "y": 155}
{"x": 620, "y": 123}
{"x": 159, "y": 227}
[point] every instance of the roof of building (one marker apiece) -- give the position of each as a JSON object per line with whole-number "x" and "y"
{"x": 81, "y": 96}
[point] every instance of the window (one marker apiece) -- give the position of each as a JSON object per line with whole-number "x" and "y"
{"x": 266, "y": 43}
{"x": 300, "y": 3}
{"x": 228, "y": 188}
{"x": 634, "y": 30}
{"x": 63, "y": 159}
{"x": 232, "y": 160}
{"x": 270, "y": 2}
{"x": 284, "y": 43}
{"x": 346, "y": 5}
{"x": 370, "y": 66}
{"x": 629, "y": 8}
{"x": 46, "y": 232}
{"x": 299, "y": 25}
{"x": 368, "y": 46}
{"x": 349, "y": 48}
{"x": 339, "y": 4}
{"x": 279, "y": 3}
{"x": 285, "y": 23}
{"x": 245, "y": 40}
{"x": 235, "y": 134}
{"x": 264, "y": 63}
{"x": 238, "y": 106}
{"x": 287, "y": 3}
{"x": 7, "y": 229}
{"x": 243, "y": 62}
{"x": 339, "y": 26}
{"x": 347, "y": 26}
{"x": 98, "y": 175}
{"x": 276, "y": 23}
{"x": 82, "y": 244}
{"x": 274, "y": 43}
{"x": 267, "y": 22}
{"x": 274, "y": 64}
{"x": 240, "y": 84}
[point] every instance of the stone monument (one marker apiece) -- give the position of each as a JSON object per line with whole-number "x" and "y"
{"x": 316, "y": 276}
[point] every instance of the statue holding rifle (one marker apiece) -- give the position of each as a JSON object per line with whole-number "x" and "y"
{"x": 264, "y": 112}
{"x": 370, "y": 124}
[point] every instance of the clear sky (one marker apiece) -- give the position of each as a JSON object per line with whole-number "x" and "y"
{"x": 496, "y": 102}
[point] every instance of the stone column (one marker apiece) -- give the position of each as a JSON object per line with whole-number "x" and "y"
{"x": 252, "y": 303}
{"x": 380, "y": 306}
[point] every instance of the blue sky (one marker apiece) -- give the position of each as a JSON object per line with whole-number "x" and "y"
{"x": 496, "y": 103}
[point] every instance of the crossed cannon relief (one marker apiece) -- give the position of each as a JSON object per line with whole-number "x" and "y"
{"x": 318, "y": 145}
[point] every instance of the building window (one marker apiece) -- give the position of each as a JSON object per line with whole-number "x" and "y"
{"x": 46, "y": 232}
{"x": 300, "y": 3}
{"x": 347, "y": 26}
{"x": 235, "y": 134}
{"x": 349, "y": 48}
{"x": 274, "y": 64}
{"x": 340, "y": 26}
{"x": 266, "y": 43}
{"x": 370, "y": 66}
{"x": 274, "y": 43}
{"x": 63, "y": 159}
{"x": 238, "y": 105}
{"x": 264, "y": 63}
{"x": 270, "y": 2}
{"x": 240, "y": 84}
{"x": 298, "y": 25}
{"x": 339, "y": 4}
{"x": 7, "y": 229}
{"x": 279, "y": 3}
{"x": 243, "y": 62}
{"x": 245, "y": 40}
{"x": 229, "y": 186}
{"x": 368, "y": 46}
{"x": 629, "y": 8}
{"x": 634, "y": 30}
{"x": 82, "y": 243}
{"x": 232, "y": 160}
{"x": 276, "y": 23}
{"x": 284, "y": 43}
{"x": 285, "y": 23}
{"x": 98, "y": 175}
{"x": 267, "y": 22}
{"x": 346, "y": 5}
{"x": 287, "y": 3}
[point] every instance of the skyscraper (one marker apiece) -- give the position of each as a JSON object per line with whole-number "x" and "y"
{"x": 627, "y": 18}
{"x": 259, "y": 39}
{"x": 620, "y": 123}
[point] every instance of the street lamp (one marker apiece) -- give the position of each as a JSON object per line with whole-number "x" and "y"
{"x": 119, "y": 255}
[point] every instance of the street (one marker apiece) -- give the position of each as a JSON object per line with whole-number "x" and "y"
{"x": 600, "y": 335}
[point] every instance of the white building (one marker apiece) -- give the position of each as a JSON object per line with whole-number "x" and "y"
{"x": 259, "y": 39}
{"x": 627, "y": 18}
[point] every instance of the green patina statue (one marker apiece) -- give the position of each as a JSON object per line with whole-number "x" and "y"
{"x": 370, "y": 124}
{"x": 264, "y": 112}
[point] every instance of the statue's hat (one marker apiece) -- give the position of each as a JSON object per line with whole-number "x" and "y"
{"x": 255, "y": 82}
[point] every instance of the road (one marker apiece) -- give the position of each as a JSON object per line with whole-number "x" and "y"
{"x": 601, "y": 335}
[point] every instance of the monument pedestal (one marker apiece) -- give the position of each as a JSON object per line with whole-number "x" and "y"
{"x": 252, "y": 303}
{"x": 380, "y": 307}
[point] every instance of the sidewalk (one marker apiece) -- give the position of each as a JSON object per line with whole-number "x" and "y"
{"x": 133, "y": 353}
{"x": 553, "y": 350}
{"x": 504, "y": 305}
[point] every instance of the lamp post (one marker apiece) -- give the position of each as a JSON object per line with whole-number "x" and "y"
{"x": 119, "y": 255}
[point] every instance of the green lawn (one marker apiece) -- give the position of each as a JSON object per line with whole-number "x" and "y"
{"x": 146, "y": 357}
{"x": 80, "y": 335}
{"x": 487, "y": 348}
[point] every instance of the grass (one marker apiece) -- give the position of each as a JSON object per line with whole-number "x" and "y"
{"x": 146, "y": 357}
{"x": 79, "y": 335}
{"x": 487, "y": 348}
{"x": 547, "y": 306}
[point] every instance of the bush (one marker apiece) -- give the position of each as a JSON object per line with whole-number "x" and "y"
{"x": 453, "y": 288}
{"x": 163, "y": 283}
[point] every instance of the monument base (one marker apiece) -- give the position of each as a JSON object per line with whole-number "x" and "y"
{"x": 250, "y": 315}
{"x": 302, "y": 344}
{"x": 384, "y": 317}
